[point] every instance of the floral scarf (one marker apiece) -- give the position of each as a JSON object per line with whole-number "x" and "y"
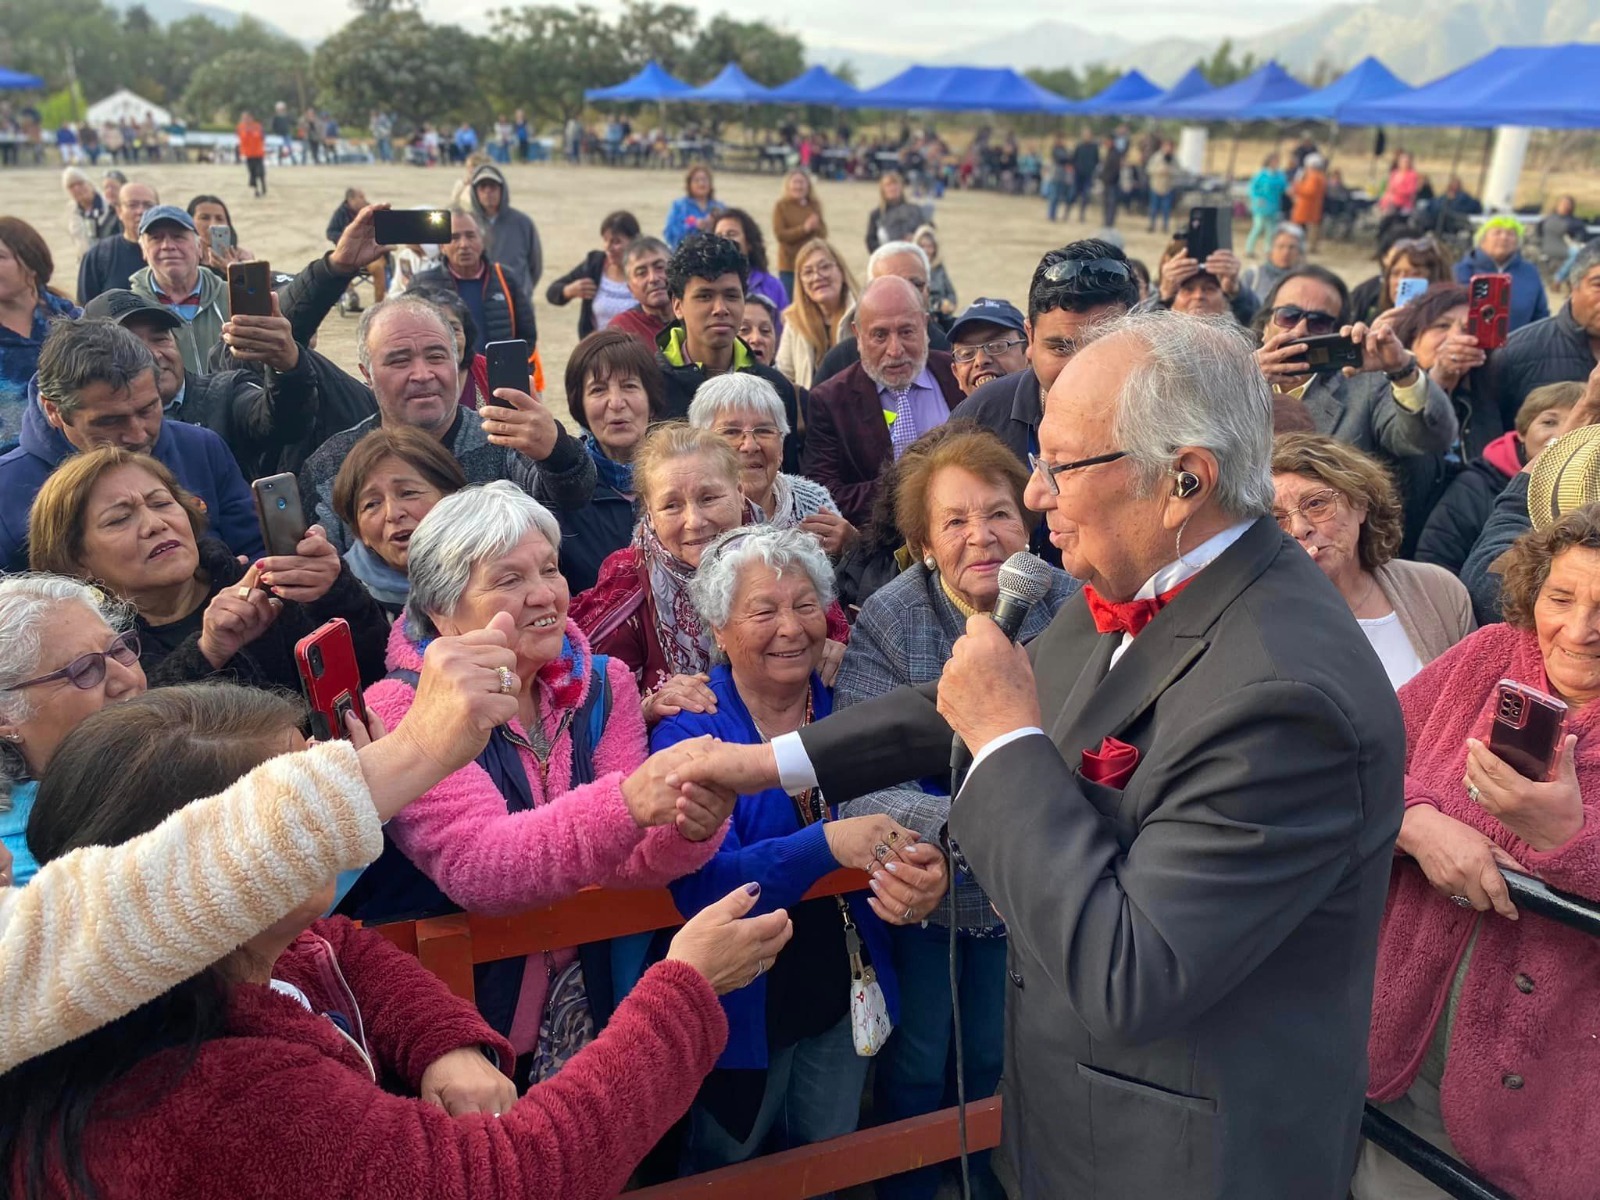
{"x": 616, "y": 475}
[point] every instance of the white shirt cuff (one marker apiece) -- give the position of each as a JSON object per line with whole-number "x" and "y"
{"x": 1414, "y": 397}
{"x": 1005, "y": 739}
{"x": 795, "y": 772}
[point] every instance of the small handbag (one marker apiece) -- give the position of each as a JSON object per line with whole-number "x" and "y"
{"x": 566, "y": 1025}
{"x": 869, "y": 1012}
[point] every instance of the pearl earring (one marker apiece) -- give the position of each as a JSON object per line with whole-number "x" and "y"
{"x": 14, "y": 737}
{"x": 930, "y": 563}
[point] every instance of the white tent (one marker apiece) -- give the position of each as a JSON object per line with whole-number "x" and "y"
{"x": 123, "y": 105}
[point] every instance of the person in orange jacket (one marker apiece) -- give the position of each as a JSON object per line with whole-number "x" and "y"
{"x": 253, "y": 149}
{"x": 1309, "y": 191}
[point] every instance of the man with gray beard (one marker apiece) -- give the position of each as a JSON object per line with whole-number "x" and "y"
{"x": 864, "y": 418}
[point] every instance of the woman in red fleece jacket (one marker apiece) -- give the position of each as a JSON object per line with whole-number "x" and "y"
{"x": 1484, "y": 1025}
{"x": 321, "y": 1062}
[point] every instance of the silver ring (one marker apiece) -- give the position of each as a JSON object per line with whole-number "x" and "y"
{"x": 880, "y": 852}
{"x": 1460, "y": 901}
{"x": 1473, "y": 793}
{"x": 907, "y": 917}
{"x": 508, "y": 681}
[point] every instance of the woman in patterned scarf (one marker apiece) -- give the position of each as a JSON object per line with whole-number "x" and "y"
{"x": 687, "y": 483}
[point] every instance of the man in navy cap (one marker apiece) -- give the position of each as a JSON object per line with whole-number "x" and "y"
{"x": 987, "y": 341}
{"x": 175, "y": 281}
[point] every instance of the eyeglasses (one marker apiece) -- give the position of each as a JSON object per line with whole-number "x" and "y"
{"x": 1287, "y": 316}
{"x": 1089, "y": 273}
{"x": 1318, "y": 508}
{"x": 820, "y": 271}
{"x": 89, "y": 670}
{"x": 994, "y": 349}
{"x": 1035, "y": 463}
{"x": 735, "y": 434}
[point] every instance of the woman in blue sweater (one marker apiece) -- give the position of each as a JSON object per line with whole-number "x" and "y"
{"x": 1266, "y": 202}
{"x": 792, "y": 1055}
{"x": 693, "y": 211}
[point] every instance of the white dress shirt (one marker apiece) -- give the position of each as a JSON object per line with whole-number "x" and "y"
{"x": 796, "y": 774}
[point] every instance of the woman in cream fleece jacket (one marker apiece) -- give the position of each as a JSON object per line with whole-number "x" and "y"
{"x": 105, "y": 929}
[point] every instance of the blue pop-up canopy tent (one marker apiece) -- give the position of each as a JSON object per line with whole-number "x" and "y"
{"x": 1132, "y": 88}
{"x": 964, "y": 89}
{"x": 1191, "y": 85}
{"x": 817, "y": 86}
{"x": 1237, "y": 101}
{"x": 1365, "y": 83}
{"x": 731, "y": 86}
{"x": 1546, "y": 87}
{"x": 652, "y": 85}
{"x": 16, "y": 81}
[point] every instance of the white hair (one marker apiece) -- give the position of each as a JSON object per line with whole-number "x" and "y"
{"x": 30, "y": 607}
{"x": 737, "y": 391}
{"x": 1196, "y": 384}
{"x": 72, "y": 175}
{"x": 890, "y": 250}
{"x": 716, "y": 582}
{"x": 460, "y": 531}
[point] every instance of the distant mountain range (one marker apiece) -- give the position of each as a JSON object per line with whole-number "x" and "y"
{"x": 1418, "y": 42}
{"x": 166, "y": 12}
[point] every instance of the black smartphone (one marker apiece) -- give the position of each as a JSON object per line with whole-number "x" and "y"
{"x": 411, "y": 226}
{"x": 1210, "y": 229}
{"x": 1527, "y": 729}
{"x": 508, "y": 368}
{"x": 1329, "y": 353}
{"x": 283, "y": 522}
{"x": 250, "y": 289}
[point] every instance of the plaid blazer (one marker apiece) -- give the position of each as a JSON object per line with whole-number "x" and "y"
{"x": 904, "y": 635}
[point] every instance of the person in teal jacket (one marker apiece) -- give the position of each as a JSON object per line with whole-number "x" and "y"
{"x": 1266, "y": 202}
{"x": 693, "y": 211}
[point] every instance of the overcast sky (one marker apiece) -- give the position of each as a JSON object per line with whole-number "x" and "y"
{"x": 931, "y": 27}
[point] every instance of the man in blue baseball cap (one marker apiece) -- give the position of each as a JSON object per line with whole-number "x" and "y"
{"x": 987, "y": 340}
{"x": 175, "y": 280}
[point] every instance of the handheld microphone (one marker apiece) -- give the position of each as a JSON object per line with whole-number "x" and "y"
{"x": 1024, "y": 580}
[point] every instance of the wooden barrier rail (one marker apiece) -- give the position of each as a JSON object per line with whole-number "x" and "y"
{"x": 450, "y": 946}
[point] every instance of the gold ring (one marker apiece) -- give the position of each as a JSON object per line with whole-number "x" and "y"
{"x": 508, "y": 681}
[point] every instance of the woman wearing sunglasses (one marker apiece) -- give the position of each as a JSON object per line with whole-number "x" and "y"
{"x": 1382, "y": 403}
{"x": 66, "y": 651}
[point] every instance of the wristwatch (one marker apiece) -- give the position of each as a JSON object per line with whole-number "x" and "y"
{"x": 1397, "y": 376}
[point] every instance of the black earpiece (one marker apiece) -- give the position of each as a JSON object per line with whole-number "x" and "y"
{"x": 1188, "y": 485}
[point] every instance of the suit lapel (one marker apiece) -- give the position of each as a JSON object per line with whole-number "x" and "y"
{"x": 1105, "y": 702}
{"x": 877, "y": 449}
{"x": 1325, "y": 401}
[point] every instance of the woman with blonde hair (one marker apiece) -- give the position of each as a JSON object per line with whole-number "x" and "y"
{"x": 823, "y": 293}
{"x": 796, "y": 219}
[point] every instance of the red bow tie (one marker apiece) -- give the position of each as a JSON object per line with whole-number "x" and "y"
{"x": 1129, "y": 617}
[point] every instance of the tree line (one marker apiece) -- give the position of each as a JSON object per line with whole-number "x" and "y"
{"x": 539, "y": 58}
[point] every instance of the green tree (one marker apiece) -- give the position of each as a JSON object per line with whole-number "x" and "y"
{"x": 546, "y": 56}
{"x": 1063, "y": 81}
{"x": 41, "y": 37}
{"x": 1221, "y": 69}
{"x": 251, "y": 76}
{"x": 1097, "y": 77}
{"x": 397, "y": 61}
{"x": 663, "y": 32}
{"x": 767, "y": 55}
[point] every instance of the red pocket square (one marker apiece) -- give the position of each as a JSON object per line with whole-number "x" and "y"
{"x": 1112, "y": 765}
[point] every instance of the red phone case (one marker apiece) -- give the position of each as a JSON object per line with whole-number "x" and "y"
{"x": 1527, "y": 729}
{"x": 1489, "y": 310}
{"x": 331, "y": 678}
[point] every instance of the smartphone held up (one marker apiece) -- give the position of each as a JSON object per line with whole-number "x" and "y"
{"x": 331, "y": 678}
{"x": 507, "y": 368}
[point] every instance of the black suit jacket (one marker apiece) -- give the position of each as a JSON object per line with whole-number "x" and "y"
{"x": 847, "y": 440}
{"x": 1192, "y": 954}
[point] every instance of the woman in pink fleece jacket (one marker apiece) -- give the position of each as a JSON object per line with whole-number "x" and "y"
{"x": 565, "y": 796}
{"x": 1484, "y": 1027}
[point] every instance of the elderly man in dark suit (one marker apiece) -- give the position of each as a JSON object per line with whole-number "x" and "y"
{"x": 863, "y": 418}
{"x": 1185, "y": 799}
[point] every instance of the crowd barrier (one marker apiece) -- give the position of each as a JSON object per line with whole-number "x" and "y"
{"x": 450, "y": 946}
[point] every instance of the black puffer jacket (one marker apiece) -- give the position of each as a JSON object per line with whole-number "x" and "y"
{"x": 1459, "y": 517}
{"x": 171, "y": 653}
{"x": 507, "y": 309}
{"x": 259, "y": 416}
{"x": 1554, "y": 350}
{"x": 593, "y": 267}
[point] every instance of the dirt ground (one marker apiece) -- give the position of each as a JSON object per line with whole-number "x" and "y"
{"x": 990, "y": 242}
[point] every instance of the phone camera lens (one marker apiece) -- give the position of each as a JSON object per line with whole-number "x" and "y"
{"x": 282, "y": 504}
{"x": 314, "y": 657}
